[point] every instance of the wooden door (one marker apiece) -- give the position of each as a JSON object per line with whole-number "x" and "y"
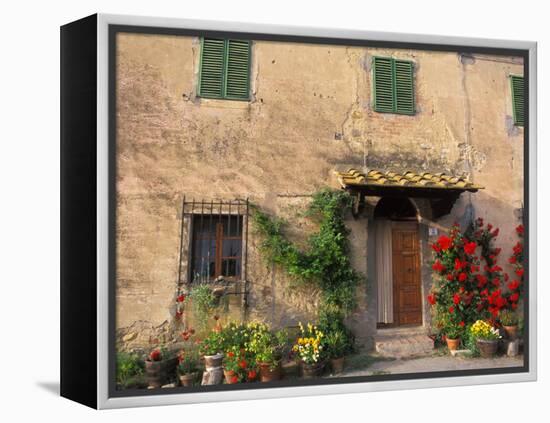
{"x": 407, "y": 298}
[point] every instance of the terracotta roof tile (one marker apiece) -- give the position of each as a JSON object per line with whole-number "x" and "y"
{"x": 409, "y": 179}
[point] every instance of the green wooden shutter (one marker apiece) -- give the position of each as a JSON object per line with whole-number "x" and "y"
{"x": 393, "y": 86}
{"x": 383, "y": 85}
{"x": 404, "y": 90}
{"x": 237, "y": 70}
{"x": 517, "y": 99}
{"x": 212, "y": 68}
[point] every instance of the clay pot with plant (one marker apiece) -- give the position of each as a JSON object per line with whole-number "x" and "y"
{"x": 486, "y": 336}
{"x": 337, "y": 346}
{"x": 453, "y": 334}
{"x": 310, "y": 349}
{"x": 267, "y": 348}
{"x": 188, "y": 366}
{"x": 159, "y": 367}
{"x": 129, "y": 371}
{"x": 509, "y": 321}
{"x": 238, "y": 367}
{"x": 212, "y": 348}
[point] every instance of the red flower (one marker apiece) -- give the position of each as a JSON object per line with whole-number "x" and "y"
{"x": 231, "y": 354}
{"x": 234, "y": 379}
{"x": 496, "y": 282}
{"x": 514, "y": 306}
{"x": 458, "y": 264}
{"x": 461, "y": 324}
{"x": 438, "y": 267}
{"x": 520, "y": 229}
{"x": 482, "y": 280}
{"x": 444, "y": 242}
{"x": 456, "y": 299}
{"x": 514, "y": 297}
{"x": 436, "y": 248}
{"x": 479, "y": 222}
{"x": 462, "y": 277}
{"x": 155, "y": 355}
{"x": 500, "y": 302}
{"x": 520, "y": 272}
{"x": 450, "y": 277}
{"x": 470, "y": 247}
{"x": 451, "y": 309}
{"x": 512, "y": 260}
{"x": 431, "y": 299}
{"x": 518, "y": 248}
{"x": 512, "y": 286}
{"x": 495, "y": 232}
{"x": 181, "y": 298}
{"x": 242, "y": 364}
{"x": 251, "y": 374}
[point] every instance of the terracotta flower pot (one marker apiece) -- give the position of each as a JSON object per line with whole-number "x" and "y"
{"x": 267, "y": 374}
{"x": 213, "y": 360}
{"x": 487, "y": 348}
{"x": 230, "y": 377}
{"x": 188, "y": 379}
{"x": 452, "y": 344}
{"x": 511, "y": 332}
{"x": 310, "y": 371}
{"x": 337, "y": 365}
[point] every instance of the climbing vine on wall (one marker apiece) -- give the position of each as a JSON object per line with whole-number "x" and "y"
{"x": 325, "y": 260}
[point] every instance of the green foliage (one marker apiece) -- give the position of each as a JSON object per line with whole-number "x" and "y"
{"x": 129, "y": 366}
{"x": 213, "y": 344}
{"x": 326, "y": 259}
{"x": 508, "y": 318}
{"x": 203, "y": 302}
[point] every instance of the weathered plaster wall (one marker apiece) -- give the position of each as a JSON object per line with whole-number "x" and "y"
{"x": 310, "y": 111}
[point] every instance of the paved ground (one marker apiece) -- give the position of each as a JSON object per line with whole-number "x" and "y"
{"x": 433, "y": 364}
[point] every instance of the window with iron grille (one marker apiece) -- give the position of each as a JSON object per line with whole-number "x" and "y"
{"x": 517, "y": 99}
{"x": 393, "y": 86}
{"x": 224, "y": 69}
{"x": 213, "y": 241}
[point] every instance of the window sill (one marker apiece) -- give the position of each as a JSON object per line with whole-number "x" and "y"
{"x": 223, "y": 103}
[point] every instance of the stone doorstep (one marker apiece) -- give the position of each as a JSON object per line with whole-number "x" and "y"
{"x": 393, "y": 343}
{"x": 460, "y": 353}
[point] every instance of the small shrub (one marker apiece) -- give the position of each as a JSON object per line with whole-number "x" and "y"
{"x": 129, "y": 367}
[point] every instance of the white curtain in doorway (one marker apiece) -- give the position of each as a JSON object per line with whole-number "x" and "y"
{"x": 384, "y": 275}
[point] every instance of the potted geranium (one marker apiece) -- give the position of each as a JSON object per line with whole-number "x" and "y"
{"x": 238, "y": 367}
{"x": 309, "y": 348}
{"x": 486, "y": 336}
{"x": 158, "y": 366}
{"x": 337, "y": 346}
{"x": 188, "y": 366}
{"x": 509, "y": 321}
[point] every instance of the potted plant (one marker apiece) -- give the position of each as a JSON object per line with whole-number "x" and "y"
{"x": 212, "y": 348}
{"x": 337, "y": 346}
{"x": 453, "y": 333}
{"x": 188, "y": 366}
{"x": 266, "y": 347}
{"x": 309, "y": 348}
{"x": 509, "y": 321}
{"x": 238, "y": 367}
{"x": 158, "y": 366}
{"x": 486, "y": 337}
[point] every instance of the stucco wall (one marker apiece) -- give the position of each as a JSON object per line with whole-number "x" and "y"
{"x": 310, "y": 112}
